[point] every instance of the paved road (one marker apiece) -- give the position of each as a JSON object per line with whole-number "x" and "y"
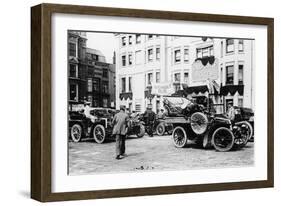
{"x": 156, "y": 153}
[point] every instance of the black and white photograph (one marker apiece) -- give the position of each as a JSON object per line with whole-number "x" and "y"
{"x": 150, "y": 102}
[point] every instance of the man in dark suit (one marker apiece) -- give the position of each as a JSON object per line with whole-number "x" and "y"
{"x": 149, "y": 118}
{"x": 120, "y": 126}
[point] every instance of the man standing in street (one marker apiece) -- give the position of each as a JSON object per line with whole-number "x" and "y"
{"x": 120, "y": 124}
{"x": 149, "y": 117}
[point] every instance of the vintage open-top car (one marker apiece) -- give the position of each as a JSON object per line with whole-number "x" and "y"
{"x": 99, "y": 127}
{"x": 136, "y": 127}
{"x": 160, "y": 126}
{"x": 193, "y": 122}
{"x": 242, "y": 120}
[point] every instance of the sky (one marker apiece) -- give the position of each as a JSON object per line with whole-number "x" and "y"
{"x": 105, "y": 42}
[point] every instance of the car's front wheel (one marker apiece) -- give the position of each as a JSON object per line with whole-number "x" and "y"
{"x": 160, "y": 129}
{"x": 76, "y": 132}
{"x": 141, "y": 131}
{"x": 245, "y": 133}
{"x": 223, "y": 139}
{"x": 99, "y": 133}
{"x": 199, "y": 123}
{"x": 179, "y": 137}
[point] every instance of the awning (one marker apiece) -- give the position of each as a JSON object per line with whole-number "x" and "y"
{"x": 224, "y": 90}
{"x": 126, "y": 95}
{"x": 205, "y": 60}
{"x": 232, "y": 89}
{"x": 196, "y": 89}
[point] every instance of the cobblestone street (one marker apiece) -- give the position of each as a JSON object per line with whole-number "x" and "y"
{"x": 156, "y": 153}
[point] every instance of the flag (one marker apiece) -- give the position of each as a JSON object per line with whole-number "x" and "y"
{"x": 210, "y": 86}
{"x": 216, "y": 85}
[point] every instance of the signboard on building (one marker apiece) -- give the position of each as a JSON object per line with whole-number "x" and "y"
{"x": 204, "y": 69}
{"x": 162, "y": 89}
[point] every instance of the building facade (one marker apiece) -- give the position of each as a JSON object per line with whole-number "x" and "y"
{"x": 100, "y": 91}
{"x": 219, "y": 68}
{"x": 77, "y": 67}
{"x": 89, "y": 75}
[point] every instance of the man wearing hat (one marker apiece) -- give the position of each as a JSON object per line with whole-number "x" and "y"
{"x": 120, "y": 125}
{"x": 87, "y": 109}
{"x": 149, "y": 117}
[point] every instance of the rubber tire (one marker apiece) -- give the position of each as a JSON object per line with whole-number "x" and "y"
{"x": 207, "y": 142}
{"x": 251, "y": 132}
{"x": 160, "y": 126}
{"x": 220, "y": 149}
{"x": 77, "y": 126}
{"x": 195, "y": 126}
{"x": 142, "y": 131}
{"x": 99, "y": 126}
{"x": 184, "y": 137}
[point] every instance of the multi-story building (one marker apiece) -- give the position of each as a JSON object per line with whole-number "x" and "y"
{"x": 100, "y": 92}
{"x": 112, "y": 84}
{"x": 90, "y": 76}
{"x": 219, "y": 68}
{"x": 77, "y": 67}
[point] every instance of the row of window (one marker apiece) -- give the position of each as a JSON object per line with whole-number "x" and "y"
{"x": 149, "y": 80}
{"x": 127, "y": 60}
{"x": 230, "y": 48}
{"x": 205, "y": 52}
{"x": 94, "y": 84}
{"x": 176, "y": 78}
{"x": 177, "y": 54}
{"x": 130, "y": 39}
{"x": 123, "y": 84}
{"x": 229, "y": 70}
{"x": 73, "y": 71}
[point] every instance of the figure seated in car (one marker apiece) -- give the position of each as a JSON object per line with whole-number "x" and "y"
{"x": 161, "y": 114}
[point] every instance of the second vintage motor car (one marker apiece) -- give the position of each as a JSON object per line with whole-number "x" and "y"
{"x": 100, "y": 126}
{"x": 193, "y": 121}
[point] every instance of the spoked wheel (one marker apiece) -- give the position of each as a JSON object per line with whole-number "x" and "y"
{"x": 76, "y": 133}
{"x": 141, "y": 131}
{"x": 179, "y": 137}
{"x": 223, "y": 139}
{"x": 99, "y": 133}
{"x": 246, "y": 132}
{"x": 199, "y": 123}
{"x": 160, "y": 129}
